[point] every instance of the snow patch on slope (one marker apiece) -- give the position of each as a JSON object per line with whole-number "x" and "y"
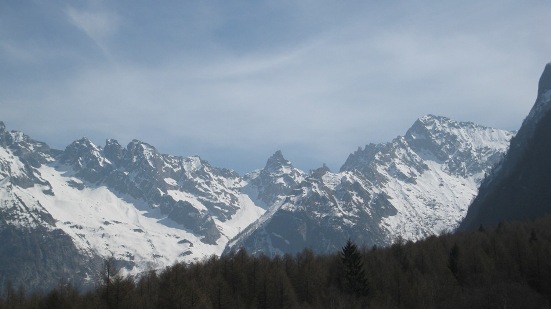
{"x": 436, "y": 202}
{"x": 101, "y": 222}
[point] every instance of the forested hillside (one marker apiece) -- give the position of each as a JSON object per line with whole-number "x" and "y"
{"x": 508, "y": 266}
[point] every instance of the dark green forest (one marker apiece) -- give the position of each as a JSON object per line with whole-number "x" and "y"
{"x": 508, "y": 266}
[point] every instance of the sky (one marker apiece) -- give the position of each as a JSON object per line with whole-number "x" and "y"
{"x": 235, "y": 81}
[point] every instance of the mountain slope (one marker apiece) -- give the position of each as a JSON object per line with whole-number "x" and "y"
{"x": 35, "y": 253}
{"x": 145, "y": 209}
{"x": 417, "y": 185}
{"x": 520, "y": 186}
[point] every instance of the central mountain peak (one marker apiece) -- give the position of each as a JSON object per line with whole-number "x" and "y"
{"x": 427, "y": 125}
{"x": 271, "y": 184}
{"x": 276, "y": 162}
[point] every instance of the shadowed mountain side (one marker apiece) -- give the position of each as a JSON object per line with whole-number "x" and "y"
{"x": 520, "y": 186}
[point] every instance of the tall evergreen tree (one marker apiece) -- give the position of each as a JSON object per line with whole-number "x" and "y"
{"x": 453, "y": 261}
{"x": 355, "y": 278}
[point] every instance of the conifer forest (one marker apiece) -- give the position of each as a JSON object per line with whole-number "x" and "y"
{"x": 507, "y": 266}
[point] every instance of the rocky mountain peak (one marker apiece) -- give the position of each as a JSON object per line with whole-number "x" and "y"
{"x": 111, "y": 142}
{"x": 113, "y": 151}
{"x": 80, "y": 148}
{"x": 139, "y": 151}
{"x": 431, "y": 119}
{"x": 33, "y": 152}
{"x": 320, "y": 171}
{"x": 277, "y": 161}
{"x": 361, "y": 158}
{"x": 431, "y": 126}
{"x": 135, "y": 144}
{"x": 84, "y": 144}
{"x": 271, "y": 184}
{"x": 86, "y": 159}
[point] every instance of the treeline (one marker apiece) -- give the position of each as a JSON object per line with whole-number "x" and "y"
{"x": 505, "y": 267}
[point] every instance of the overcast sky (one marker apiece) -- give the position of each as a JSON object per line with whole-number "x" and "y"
{"x": 234, "y": 81}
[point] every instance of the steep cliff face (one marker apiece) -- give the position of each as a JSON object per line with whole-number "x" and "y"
{"x": 519, "y": 188}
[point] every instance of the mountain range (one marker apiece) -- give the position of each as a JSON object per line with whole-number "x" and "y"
{"x": 62, "y": 212}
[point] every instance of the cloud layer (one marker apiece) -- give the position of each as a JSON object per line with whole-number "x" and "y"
{"x": 233, "y": 82}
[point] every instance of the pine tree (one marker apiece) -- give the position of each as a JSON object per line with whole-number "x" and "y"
{"x": 453, "y": 261}
{"x": 355, "y": 278}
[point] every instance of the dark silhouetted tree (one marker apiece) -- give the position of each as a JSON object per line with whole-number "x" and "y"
{"x": 355, "y": 278}
{"x": 453, "y": 261}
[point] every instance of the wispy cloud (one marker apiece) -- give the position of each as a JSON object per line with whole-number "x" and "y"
{"x": 98, "y": 24}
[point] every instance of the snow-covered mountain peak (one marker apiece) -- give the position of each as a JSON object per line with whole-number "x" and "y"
{"x": 86, "y": 157}
{"x": 435, "y": 128}
{"x": 33, "y": 152}
{"x": 271, "y": 184}
{"x": 462, "y": 148}
{"x": 142, "y": 154}
{"x": 431, "y": 119}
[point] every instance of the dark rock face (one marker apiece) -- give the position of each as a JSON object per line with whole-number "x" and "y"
{"x": 39, "y": 259}
{"x": 34, "y": 254}
{"x": 518, "y": 189}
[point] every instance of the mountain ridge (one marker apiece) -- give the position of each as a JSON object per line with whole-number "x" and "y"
{"x": 368, "y": 200}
